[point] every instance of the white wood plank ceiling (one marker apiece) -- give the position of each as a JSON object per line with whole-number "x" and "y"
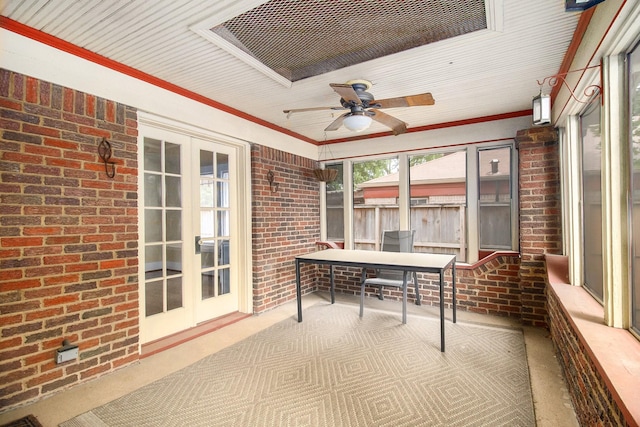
{"x": 483, "y": 73}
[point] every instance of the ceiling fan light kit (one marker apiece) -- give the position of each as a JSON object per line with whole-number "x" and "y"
{"x": 357, "y": 122}
{"x": 364, "y": 108}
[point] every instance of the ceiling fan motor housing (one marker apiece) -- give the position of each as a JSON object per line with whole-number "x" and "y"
{"x": 364, "y": 96}
{"x": 363, "y": 108}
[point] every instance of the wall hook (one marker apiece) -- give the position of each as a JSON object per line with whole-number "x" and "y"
{"x": 104, "y": 151}
{"x": 272, "y": 184}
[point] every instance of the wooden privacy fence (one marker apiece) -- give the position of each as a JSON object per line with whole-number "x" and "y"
{"x": 439, "y": 228}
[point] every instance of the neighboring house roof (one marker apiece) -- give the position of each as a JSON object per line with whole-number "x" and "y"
{"x": 448, "y": 168}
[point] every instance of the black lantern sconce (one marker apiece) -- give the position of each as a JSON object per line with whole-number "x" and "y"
{"x": 104, "y": 151}
{"x": 272, "y": 183}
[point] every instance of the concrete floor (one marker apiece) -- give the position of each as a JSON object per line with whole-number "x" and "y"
{"x": 551, "y": 400}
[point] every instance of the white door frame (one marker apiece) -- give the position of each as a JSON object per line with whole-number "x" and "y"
{"x": 243, "y": 265}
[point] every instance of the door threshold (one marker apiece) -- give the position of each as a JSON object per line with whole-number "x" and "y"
{"x": 178, "y": 338}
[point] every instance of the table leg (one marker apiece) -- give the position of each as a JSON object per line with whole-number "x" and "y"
{"x": 404, "y": 297}
{"x": 333, "y": 291}
{"x": 298, "y": 290}
{"x": 362, "y": 279}
{"x": 453, "y": 285}
{"x": 442, "y": 310}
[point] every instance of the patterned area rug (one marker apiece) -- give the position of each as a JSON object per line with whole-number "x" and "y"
{"x": 335, "y": 369}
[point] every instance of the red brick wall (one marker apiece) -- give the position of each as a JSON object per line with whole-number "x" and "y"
{"x": 540, "y": 216}
{"x": 68, "y": 237}
{"x": 491, "y": 287}
{"x": 506, "y": 285}
{"x": 286, "y": 223}
{"x": 590, "y": 394}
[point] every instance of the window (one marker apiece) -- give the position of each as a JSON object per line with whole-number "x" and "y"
{"x": 494, "y": 179}
{"x": 334, "y": 196}
{"x": 438, "y": 192}
{"x": 592, "y": 199}
{"x": 634, "y": 135}
{"x": 375, "y": 201}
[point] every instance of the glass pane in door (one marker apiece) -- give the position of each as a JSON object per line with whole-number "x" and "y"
{"x": 208, "y": 284}
{"x": 153, "y": 298}
{"x": 214, "y": 223}
{"x": 153, "y": 262}
{"x": 223, "y": 282}
{"x": 152, "y": 225}
{"x": 172, "y": 156}
{"x": 152, "y": 157}
{"x": 222, "y": 163}
{"x": 174, "y": 293}
{"x": 162, "y": 227}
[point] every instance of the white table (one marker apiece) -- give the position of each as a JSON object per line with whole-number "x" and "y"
{"x": 403, "y": 261}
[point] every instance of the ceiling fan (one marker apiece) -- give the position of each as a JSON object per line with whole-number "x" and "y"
{"x": 363, "y": 107}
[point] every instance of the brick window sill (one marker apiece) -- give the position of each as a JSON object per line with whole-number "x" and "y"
{"x": 485, "y": 257}
{"x": 614, "y": 352}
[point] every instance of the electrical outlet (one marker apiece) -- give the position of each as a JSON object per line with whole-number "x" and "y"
{"x": 66, "y": 353}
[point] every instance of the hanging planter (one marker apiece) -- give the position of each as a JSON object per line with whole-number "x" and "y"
{"x": 326, "y": 175}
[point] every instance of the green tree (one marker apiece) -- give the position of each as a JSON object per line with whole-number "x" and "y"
{"x": 336, "y": 184}
{"x": 366, "y": 171}
{"x": 423, "y": 158}
{"x": 372, "y": 169}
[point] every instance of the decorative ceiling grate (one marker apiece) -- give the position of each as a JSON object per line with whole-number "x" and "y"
{"x": 300, "y": 39}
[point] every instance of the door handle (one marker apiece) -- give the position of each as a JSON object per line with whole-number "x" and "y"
{"x": 198, "y": 244}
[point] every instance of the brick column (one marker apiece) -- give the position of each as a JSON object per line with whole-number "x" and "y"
{"x": 286, "y": 223}
{"x": 540, "y": 216}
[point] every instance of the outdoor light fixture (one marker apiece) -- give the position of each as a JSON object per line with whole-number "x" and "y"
{"x": 357, "y": 122}
{"x": 542, "y": 109}
{"x": 579, "y": 5}
{"x": 542, "y": 102}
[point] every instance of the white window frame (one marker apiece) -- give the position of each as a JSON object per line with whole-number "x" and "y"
{"x": 472, "y": 219}
{"x": 615, "y": 188}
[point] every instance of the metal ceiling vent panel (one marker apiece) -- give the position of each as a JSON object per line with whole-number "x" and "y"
{"x": 300, "y": 39}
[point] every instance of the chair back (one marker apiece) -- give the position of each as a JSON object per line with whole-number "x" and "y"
{"x": 396, "y": 241}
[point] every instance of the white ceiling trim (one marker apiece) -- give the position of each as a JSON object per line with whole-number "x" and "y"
{"x": 248, "y": 59}
{"x": 494, "y": 10}
{"x": 226, "y": 12}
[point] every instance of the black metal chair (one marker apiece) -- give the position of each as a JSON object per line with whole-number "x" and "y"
{"x": 392, "y": 241}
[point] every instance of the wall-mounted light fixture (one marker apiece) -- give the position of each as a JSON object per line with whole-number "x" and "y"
{"x": 542, "y": 102}
{"x": 104, "y": 151}
{"x": 541, "y": 109}
{"x": 272, "y": 182}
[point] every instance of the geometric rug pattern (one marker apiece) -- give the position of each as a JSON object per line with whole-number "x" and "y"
{"x": 335, "y": 369}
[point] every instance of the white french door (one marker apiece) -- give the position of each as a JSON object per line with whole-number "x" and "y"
{"x": 216, "y": 292}
{"x": 188, "y": 244}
